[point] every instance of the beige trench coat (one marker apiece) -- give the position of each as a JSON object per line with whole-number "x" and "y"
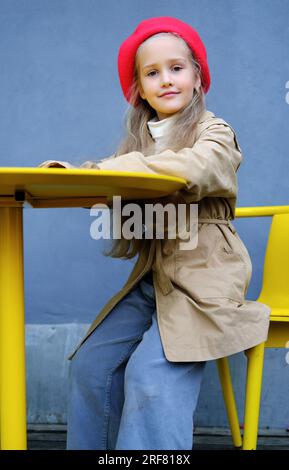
{"x": 200, "y": 293}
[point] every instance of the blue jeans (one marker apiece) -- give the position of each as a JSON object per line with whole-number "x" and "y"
{"x": 123, "y": 392}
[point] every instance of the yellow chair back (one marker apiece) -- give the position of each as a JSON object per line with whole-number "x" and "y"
{"x": 275, "y": 285}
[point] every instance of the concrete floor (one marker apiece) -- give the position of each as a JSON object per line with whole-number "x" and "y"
{"x": 54, "y": 438}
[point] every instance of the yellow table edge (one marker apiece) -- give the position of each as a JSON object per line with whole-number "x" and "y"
{"x": 87, "y": 171}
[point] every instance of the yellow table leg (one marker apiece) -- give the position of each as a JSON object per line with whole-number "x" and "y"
{"x": 255, "y": 357}
{"x": 12, "y": 331}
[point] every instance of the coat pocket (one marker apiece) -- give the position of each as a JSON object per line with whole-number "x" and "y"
{"x": 232, "y": 250}
{"x": 233, "y": 246}
{"x": 218, "y": 267}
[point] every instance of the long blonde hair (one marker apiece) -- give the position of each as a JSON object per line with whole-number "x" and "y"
{"x": 138, "y": 138}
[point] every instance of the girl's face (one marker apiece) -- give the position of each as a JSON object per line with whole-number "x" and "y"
{"x": 164, "y": 65}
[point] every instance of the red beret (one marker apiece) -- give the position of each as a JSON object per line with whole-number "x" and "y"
{"x": 147, "y": 28}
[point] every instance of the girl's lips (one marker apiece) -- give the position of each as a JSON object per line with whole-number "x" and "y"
{"x": 169, "y": 94}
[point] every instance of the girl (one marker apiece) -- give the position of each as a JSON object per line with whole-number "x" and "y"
{"x": 135, "y": 377}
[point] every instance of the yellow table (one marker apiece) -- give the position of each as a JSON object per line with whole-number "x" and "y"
{"x": 43, "y": 188}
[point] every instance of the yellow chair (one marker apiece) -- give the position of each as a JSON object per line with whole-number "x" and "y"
{"x": 275, "y": 293}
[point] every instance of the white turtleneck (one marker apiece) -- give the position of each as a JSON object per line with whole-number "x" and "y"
{"x": 159, "y": 129}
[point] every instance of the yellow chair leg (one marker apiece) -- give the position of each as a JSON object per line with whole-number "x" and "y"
{"x": 255, "y": 360}
{"x": 229, "y": 398}
{"x": 12, "y": 332}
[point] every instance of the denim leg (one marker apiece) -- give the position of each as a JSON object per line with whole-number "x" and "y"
{"x": 160, "y": 398}
{"x": 96, "y": 373}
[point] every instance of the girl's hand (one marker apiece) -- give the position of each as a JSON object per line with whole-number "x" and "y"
{"x": 90, "y": 165}
{"x": 55, "y": 164}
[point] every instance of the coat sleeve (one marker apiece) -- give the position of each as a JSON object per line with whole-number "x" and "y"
{"x": 209, "y": 167}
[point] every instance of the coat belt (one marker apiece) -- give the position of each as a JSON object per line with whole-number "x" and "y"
{"x": 163, "y": 279}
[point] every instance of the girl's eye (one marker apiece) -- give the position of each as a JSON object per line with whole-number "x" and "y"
{"x": 174, "y": 67}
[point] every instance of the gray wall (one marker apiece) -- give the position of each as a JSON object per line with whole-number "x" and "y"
{"x": 60, "y": 99}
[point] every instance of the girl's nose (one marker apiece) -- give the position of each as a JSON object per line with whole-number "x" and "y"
{"x": 166, "y": 78}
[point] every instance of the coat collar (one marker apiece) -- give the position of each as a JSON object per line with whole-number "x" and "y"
{"x": 206, "y": 116}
